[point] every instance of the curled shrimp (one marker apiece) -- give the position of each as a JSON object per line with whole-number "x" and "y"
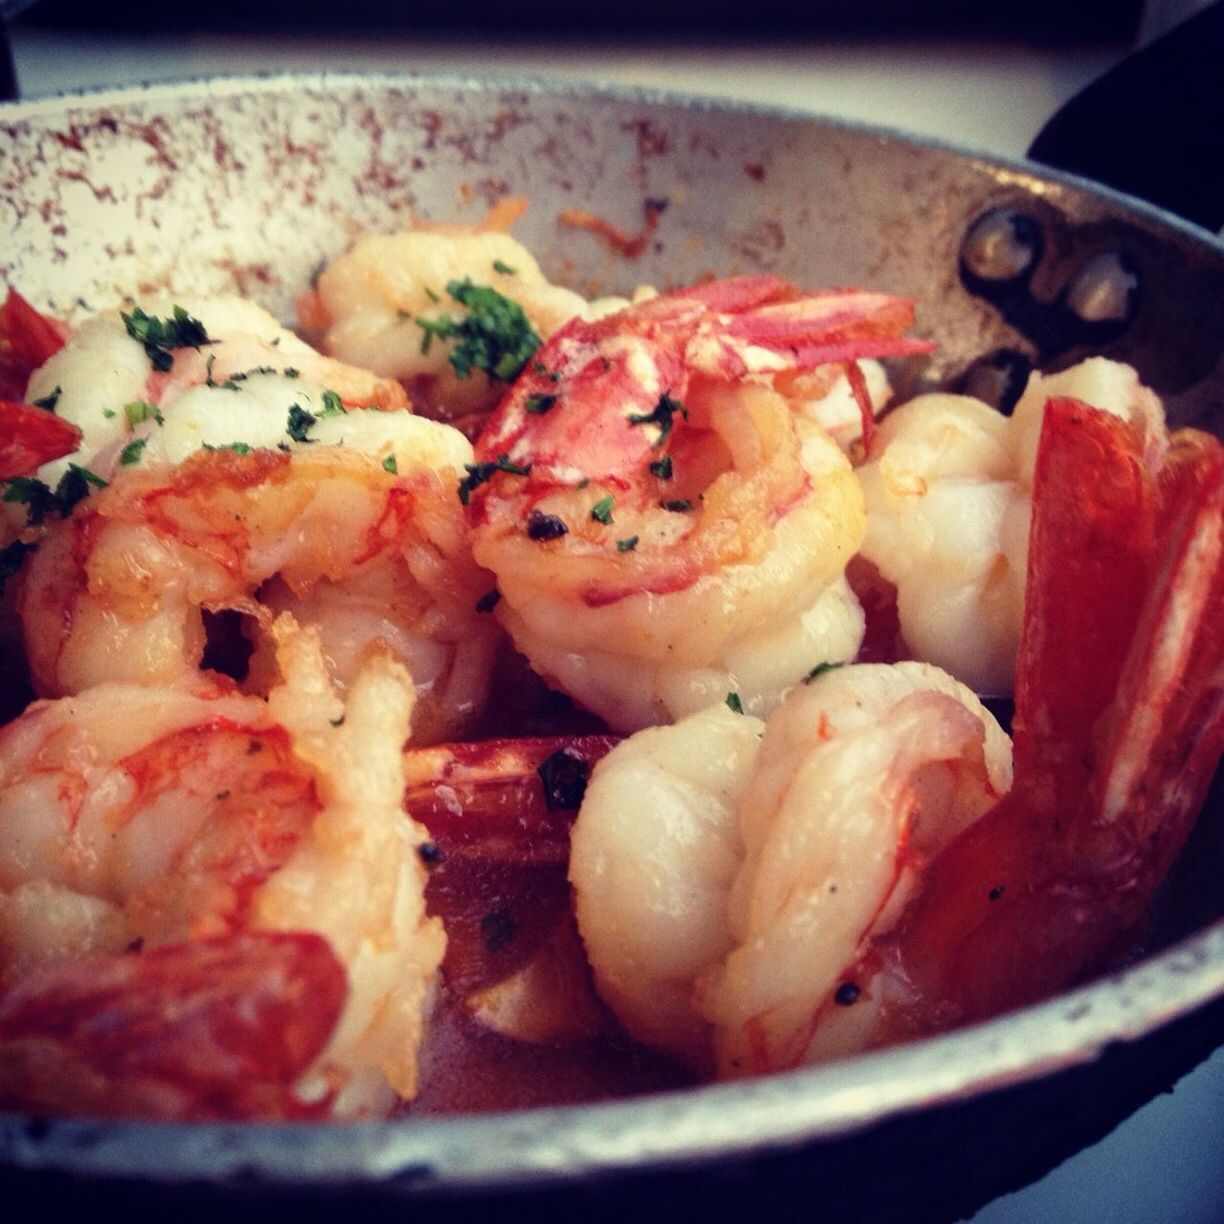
{"x": 785, "y": 840}
{"x": 374, "y": 304}
{"x": 663, "y": 527}
{"x": 949, "y": 491}
{"x": 210, "y": 904}
{"x": 858, "y": 879}
{"x": 1119, "y": 727}
{"x": 105, "y": 380}
{"x": 372, "y": 552}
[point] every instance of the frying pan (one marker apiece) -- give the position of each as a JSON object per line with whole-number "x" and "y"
{"x": 249, "y": 184}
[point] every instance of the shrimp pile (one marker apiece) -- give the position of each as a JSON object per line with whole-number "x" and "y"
{"x": 514, "y": 673}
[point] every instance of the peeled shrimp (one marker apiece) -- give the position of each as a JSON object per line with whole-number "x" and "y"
{"x": 372, "y": 553}
{"x": 883, "y": 888}
{"x": 949, "y": 491}
{"x": 368, "y": 304}
{"x": 726, "y": 870}
{"x": 156, "y": 837}
{"x": 664, "y": 527}
{"x": 103, "y": 372}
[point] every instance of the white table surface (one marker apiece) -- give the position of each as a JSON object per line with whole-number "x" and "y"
{"x": 1166, "y": 1164}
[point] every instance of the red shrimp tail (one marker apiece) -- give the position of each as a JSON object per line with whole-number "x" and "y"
{"x": 31, "y": 436}
{"x": 27, "y": 340}
{"x": 499, "y": 813}
{"x": 1118, "y": 730}
{"x": 1092, "y": 542}
{"x": 1165, "y": 733}
{"x": 217, "y": 1029}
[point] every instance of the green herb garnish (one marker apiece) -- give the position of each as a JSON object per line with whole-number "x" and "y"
{"x": 538, "y": 405}
{"x": 389, "y": 465}
{"x": 300, "y": 423}
{"x": 661, "y": 416}
{"x": 628, "y": 544}
{"x": 662, "y": 467}
{"x": 734, "y": 703}
{"x": 131, "y": 452}
{"x": 160, "y": 336}
{"x": 601, "y": 511}
{"x": 479, "y": 473}
{"x": 141, "y": 410}
{"x": 496, "y": 336}
{"x": 820, "y": 669}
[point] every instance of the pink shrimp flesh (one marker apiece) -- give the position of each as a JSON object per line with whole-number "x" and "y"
{"x": 1119, "y": 726}
{"x": 569, "y": 408}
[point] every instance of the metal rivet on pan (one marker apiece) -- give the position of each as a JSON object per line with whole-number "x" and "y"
{"x": 1104, "y": 289}
{"x": 1001, "y": 246}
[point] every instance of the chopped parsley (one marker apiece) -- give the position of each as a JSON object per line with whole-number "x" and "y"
{"x": 601, "y": 511}
{"x": 496, "y": 336}
{"x": 160, "y": 336}
{"x": 49, "y": 401}
{"x": 662, "y": 416}
{"x": 662, "y": 467}
{"x": 734, "y": 703}
{"x": 564, "y": 778}
{"x": 538, "y": 405}
{"x": 678, "y": 505}
{"x": 139, "y": 411}
{"x": 74, "y": 485}
{"x": 628, "y": 544}
{"x": 479, "y": 473}
{"x": 239, "y": 448}
{"x": 389, "y": 465}
{"x": 504, "y": 268}
{"x": 11, "y": 558}
{"x": 37, "y": 498}
{"x": 300, "y": 423}
{"x": 333, "y": 405}
{"x": 131, "y": 452}
{"x": 820, "y": 669}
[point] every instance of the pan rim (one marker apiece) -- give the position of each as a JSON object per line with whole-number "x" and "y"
{"x": 275, "y": 81}
{"x": 660, "y": 1131}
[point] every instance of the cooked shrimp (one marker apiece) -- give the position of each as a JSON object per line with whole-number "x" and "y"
{"x": 370, "y": 303}
{"x": 719, "y": 920}
{"x": 372, "y": 553}
{"x": 663, "y": 526}
{"x": 177, "y": 823}
{"x": 654, "y": 853}
{"x": 949, "y": 492}
{"x": 1119, "y": 728}
{"x": 106, "y": 371}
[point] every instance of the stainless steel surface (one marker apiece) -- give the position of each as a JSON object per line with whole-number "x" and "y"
{"x": 248, "y": 184}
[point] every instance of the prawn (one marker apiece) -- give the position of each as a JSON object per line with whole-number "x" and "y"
{"x": 383, "y": 302}
{"x": 784, "y": 839}
{"x": 880, "y": 868}
{"x": 178, "y": 361}
{"x": 949, "y": 491}
{"x": 1119, "y": 727}
{"x": 370, "y": 551}
{"x": 663, "y": 526}
{"x": 211, "y": 904}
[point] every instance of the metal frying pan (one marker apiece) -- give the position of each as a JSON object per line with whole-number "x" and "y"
{"x": 248, "y": 184}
